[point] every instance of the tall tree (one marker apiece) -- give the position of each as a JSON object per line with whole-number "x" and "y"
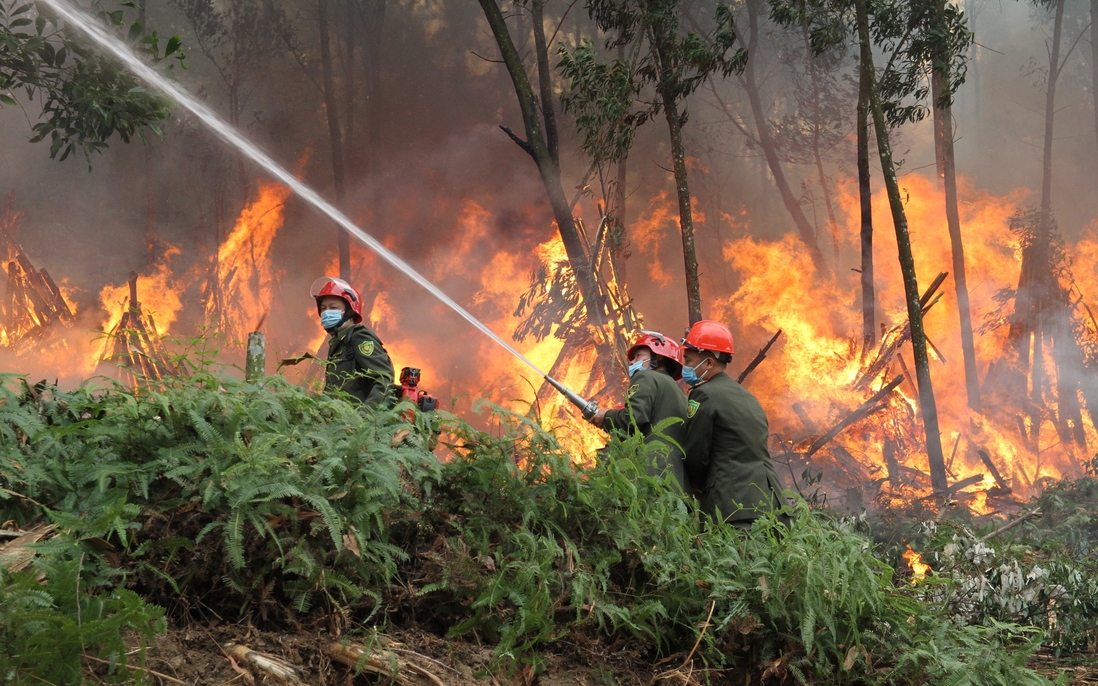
{"x": 536, "y": 144}
{"x": 865, "y": 200}
{"x": 674, "y": 63}
{"x": 927, "y": 404}
{"x": 947, "y": 41}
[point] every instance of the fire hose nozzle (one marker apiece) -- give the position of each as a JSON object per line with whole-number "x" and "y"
{"x": 589, "y": 408}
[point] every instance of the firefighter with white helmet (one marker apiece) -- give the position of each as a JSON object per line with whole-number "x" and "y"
{"x": 653, "y": 396}
{"x": 727, "y": 456}
{"x": 358, "y": 364}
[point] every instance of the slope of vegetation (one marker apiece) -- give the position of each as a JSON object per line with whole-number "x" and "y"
{"x": 259, "y": 502}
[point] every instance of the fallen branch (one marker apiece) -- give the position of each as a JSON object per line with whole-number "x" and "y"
{"x": 379, "y": 664}
{"x": 266, "y": 665}
{"x": 146, "y": 670}
{"x": 965, "y": 483}
{"x": 1010, "y": 525}
{"x": 867, "y": 408}
{"x": 687, "y": 678}
{"x": 1004, "y": 488}
{"x": 758, "y": 358}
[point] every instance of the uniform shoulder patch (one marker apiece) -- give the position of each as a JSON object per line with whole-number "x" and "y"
{"x": 692, "y": 408}
{"x": 366, "y": 348}
{"x": 632, "y": 391}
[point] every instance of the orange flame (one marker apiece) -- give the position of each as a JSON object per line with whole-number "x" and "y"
{"x": 919, "y": 569}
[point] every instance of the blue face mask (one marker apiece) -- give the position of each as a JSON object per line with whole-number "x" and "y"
{"x": 635, "y": 367}
{"x": 331, "y": 319}
{"x": 690, "y": 376}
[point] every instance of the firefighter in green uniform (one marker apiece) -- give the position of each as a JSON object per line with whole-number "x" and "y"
{"x": 653, "y": 396}
{"x": 358, "y": 364}
{"x": 727, "y": 458}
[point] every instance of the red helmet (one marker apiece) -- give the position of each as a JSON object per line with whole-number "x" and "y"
{"x": 662, "y": 346}
{"x": 708, "y": 335}
{"x": 338, "y": 288}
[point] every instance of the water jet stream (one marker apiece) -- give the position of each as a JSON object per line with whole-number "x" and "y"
{"x": 101, "y": 37}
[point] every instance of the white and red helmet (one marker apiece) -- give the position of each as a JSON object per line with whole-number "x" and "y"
{"x": 328, "y": 286}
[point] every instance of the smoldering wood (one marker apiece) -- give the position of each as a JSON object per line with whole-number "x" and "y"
{"x": 802, "y": 414}
{"x": 758, "y": 358}
{"x": 965, "y": 483}
{"x": 1001, "y": 483}
{"x": 869, "y": 407}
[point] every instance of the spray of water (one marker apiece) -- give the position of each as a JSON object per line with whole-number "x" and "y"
{"x": 100, "y": 36}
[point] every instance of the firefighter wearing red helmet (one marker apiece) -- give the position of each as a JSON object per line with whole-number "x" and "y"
{"x": 358, "y": 364}
{"x": 653, "y": 396}
{"x": 727, "y": 458}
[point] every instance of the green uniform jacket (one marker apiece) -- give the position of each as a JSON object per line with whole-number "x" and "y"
{"x": 653, "y": 396}
{"x": 727, "y": 458}
{"x": 358, "y": 365}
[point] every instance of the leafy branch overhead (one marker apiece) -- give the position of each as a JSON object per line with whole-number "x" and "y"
{"x": 85, "y": 97}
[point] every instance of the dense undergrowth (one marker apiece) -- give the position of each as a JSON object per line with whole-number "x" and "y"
{"x": 209, "y": 497}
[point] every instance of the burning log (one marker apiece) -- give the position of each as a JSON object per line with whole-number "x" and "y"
{"x": 869, "y": 407}
{"x": 964, "y": 483}
{"x": 34, "y": 301}
{"x": 758, "y": 358}
{"x": 1001, "y": 486}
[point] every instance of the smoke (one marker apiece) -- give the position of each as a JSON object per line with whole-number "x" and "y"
{"x": 444, "y": 188}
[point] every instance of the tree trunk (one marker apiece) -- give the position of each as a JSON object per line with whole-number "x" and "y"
{"x": 535, "y": 145}
{"x": 548, "y": 111}
{"x": 943, "y": 146}
{"x": 617, "y": 246}
{"x": 865, "y": 195}
{"x": 334, "y": 136}
{"x": 927, "y": 404}
{"x": 816, "y": 154}
{"x": 686, "y": 219}
{"x": 769, "y": 149}
{"x": 1050, "y": 106}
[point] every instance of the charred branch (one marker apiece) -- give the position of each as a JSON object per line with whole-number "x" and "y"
{"x": 758, "y": 358}
{"x": 869, "y": 407}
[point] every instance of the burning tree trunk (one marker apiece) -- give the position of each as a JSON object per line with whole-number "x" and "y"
{"x": 536, "y": 145}
{"x": 334, "y": 136}
{"x": 766, "y": 142}
{"x": 869, "y": 296}
{"x": 927, "y": 404}
{"x": 947, "y": 172}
